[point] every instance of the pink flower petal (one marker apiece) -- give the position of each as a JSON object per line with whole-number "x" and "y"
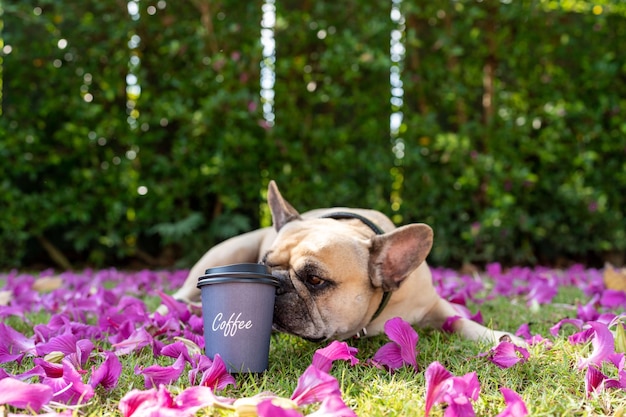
{"x": 449, "y": 323}
{"x": 108, "y": 373}
{"x": 13, "y": 344}
{"x": 406, "y": 337}
{"x": 613, "y": 298}
{"x": 194, "y": 398}
{"x": 65, "y": 344}
{"x": 156, "y": 375}
{"x": 23, "y": 395}
{"x": 515, "y": 406}
{"x": 217, "y": 376}
{"x": 152, "y": 403}
{"x": 443, "y": 387}
{"x": 554, "y": 330}
{"x": 69, "y": 388}
{"x": 435, "y": 375}
{"x": 323, "y": 358}
{"x": 603, "y": 345}
{"x": 390, "y": 356}
{"x": 51, "y": 370}
{"x": 459, "y": 407}
{"x": 507, "y": 354}
{"x": 199, "y": 364}
{"x": 594, "y": 379}
{"x": 267, "y": 408}
{"x": 176, "y": 308}
{"x": 175, "y": 350}
{"x": 135, "y": 342}
{"x": 313, "y": 386}
{"x": 135, "y": 399}
{"x": 333, "y": 406}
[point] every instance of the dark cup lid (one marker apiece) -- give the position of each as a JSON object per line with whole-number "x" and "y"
{"x": 246, "y": 268}
{"x": 242, "y": 273}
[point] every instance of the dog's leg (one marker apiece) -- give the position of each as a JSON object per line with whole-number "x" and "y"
{"x": 238, "y": 249}
{"x": 443, "y": 311}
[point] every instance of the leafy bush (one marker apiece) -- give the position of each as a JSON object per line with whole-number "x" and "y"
{"x": 141, "y": 135}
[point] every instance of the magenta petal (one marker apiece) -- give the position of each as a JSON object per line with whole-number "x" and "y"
{"x": 435, "y": 375}
{"x": 175, "y": 350}
{"x": 323, "y": 358}
{"x": 23, "y": 395}
{"x": 134, "y": 399}
{"x": 65, "y": 343}
{"x": 313, "y": 386}
{"x": 507, "y": 354}
{"x": 267, "y": 408}
{"x": 459, "y": 407}
{"x": 217, "y": 376}
{"x": 194, "y": 398}
{"x": 593, "y": 379}
{"x": 470, "y": 387}
{"x": 612, "y": 298}
{"x": 51, "y": 370}
{"x": 108, "y": 373}
{"x": 603, "y": 345}
{"x": 135, "y": 342}
{"x": 13, "y": 344}
{"x": 406, "y": 337}
{"x": 449, "y": 323}
{"x": 554, "y": 330}
{"x": 524, "y": 331}
{"x": 333, "y": 406}
{"x": 156, "y": 375}
{"x": 390, "y": 356}
{"x": 69, "y": 388}
{"x": 515, "y": 406}
{"x": 176, "y": 308}
{"x": 199, "y": 364}
{"x": 154, "y": 403}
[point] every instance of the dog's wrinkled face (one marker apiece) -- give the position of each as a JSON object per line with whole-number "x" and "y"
{"x": 325, "y": 290}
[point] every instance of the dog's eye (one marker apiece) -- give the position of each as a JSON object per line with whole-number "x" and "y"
{"x": 314, "y": 281}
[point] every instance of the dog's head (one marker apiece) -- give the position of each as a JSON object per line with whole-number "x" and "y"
{"x": 332, "y": 273}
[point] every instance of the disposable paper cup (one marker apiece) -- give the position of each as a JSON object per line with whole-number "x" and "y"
{"x": 237, "y": 310}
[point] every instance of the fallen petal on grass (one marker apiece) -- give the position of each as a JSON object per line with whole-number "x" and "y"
{"x": 108, "y": 373}
{"x": 603, "y": 345}
{"x": 313, "y": 386}
{"x": 323, "y": 358}
{"x": 515, "y": 406}
{"x": 507, "y": 354}
{"x": 403, "y": 346}
{"x": 443, "y": 387}
{"x": 23, "y": 395}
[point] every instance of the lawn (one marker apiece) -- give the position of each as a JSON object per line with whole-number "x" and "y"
{"x": 87, "y": 344}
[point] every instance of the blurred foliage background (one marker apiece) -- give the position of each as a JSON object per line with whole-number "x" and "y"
{"x": 133, "y": 133}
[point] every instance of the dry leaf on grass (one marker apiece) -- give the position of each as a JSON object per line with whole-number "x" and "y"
{"x": 614, "y": 278}
{"x": 47, "y": 284}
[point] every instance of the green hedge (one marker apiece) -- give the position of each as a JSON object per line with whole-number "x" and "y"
{"x": 512, "y": 144}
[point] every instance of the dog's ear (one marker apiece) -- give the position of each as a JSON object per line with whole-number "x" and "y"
{"x": 394, "y": 255}
{"x": 282, "y": 211}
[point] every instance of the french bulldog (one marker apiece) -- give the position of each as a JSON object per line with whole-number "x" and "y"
{"x": 343, "y": 273}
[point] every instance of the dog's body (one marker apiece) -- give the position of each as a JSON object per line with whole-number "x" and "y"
{"x": 341, "y": 276}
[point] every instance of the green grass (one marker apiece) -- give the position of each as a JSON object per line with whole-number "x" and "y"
{"x": 549, "y": 382}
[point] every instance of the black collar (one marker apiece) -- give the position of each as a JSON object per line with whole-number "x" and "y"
{"x": 348, "y": 215}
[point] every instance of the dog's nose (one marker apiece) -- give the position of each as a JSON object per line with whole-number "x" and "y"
{"x": 284, "y": 283}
